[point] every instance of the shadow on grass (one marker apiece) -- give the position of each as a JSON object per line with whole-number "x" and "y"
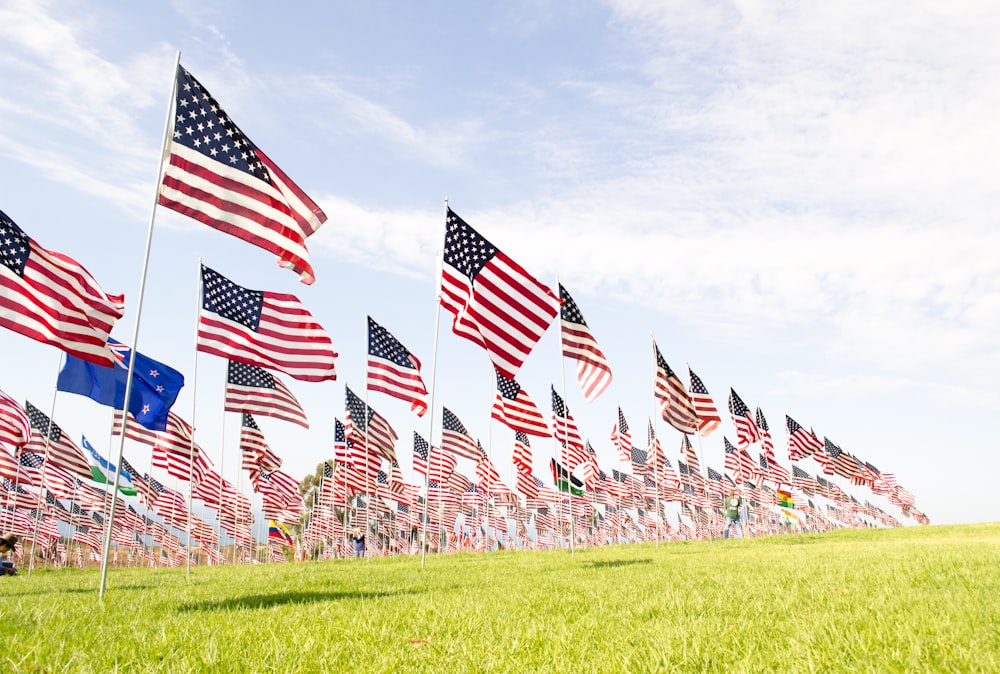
{"x": 47, "y": 590}
{"x": 256, "y": 601}
{"x": 610, "y": 564}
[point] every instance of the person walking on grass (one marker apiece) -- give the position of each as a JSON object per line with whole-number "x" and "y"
{"x": 734, "y": 506}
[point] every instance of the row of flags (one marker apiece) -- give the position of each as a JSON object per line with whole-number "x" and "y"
{"x": 215, "y": 174}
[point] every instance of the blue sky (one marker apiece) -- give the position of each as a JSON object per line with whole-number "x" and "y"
{"x": 800, "y": 202}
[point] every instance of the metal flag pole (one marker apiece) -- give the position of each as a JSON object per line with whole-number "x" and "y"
{"x": 48, "y": 436}
{"x": 138, "y": 317}
{"x": 569, "y": 473}
{"x": 194, "y": 409}
{"x": 430, "y": 400}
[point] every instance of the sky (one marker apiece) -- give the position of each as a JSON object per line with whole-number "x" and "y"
{"x": 797, "y": 201}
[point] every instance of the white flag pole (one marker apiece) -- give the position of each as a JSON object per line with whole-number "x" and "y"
{"x": 138, "y": 316}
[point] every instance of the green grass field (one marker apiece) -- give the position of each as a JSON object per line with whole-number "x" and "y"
{"x": 904, "y": 600}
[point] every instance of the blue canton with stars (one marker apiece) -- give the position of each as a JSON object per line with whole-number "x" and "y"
{"x": 464, "y": 248}
{"x": 14, "y": 245}
{"x": 230, "y": 301}
{"x": 383, "y": 345}
{"x": 203, "y": 126}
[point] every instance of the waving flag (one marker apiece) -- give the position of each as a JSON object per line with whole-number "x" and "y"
{"x": 567, "y": 433}
{"x": 366, "y": 425}
{"x": 801, "y": 443}
{"x": 393, "y": 370}
{"x": 100, "y": 467}
{"x": 747, "y": 432}
{"x": 154, "y": 385}
{"x": 578, "y": 343}
{"x": 216, "y": 175}
{"x": 51, "y": 298}
{"x": 272, "y": 330}
{"x": 675, "y": 403}
{"x": 496, "y": 303}
{"x": 708, "y": 415}
{"x": 455, "y": 439}
{"x": 513, "y": 407}
{"x": 254, "y": 390}
{"x": 278, "y": 532}
{"x": 61, "y": 450}
{"x": 622, "y": 438}
{"x": 15, "y": 428}
{"x": 522, "y": 453}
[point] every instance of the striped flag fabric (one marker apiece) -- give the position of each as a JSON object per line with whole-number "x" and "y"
{"x": 253, "y": 447}
{"x": 393, "y": 370}
{"x": 513, "y": 407}
{"x": 567, "y": 433}
{"x": 421, "y": 450}
{"x": 578, "y": 343}
{"x": 495, "y": 302}
{"x": 801, "y": 443}
{"x": 15, "y": 428}
{"x": 365, "y": 425}
{"x": 621, "y": 437}
{"x": 216, "y": 175}
{"x": 61, "y": 449}
{"x": 676, "y": 407}
{"x": 254, "y": 390}
{"x": 704, "y": 407}
{"x": 522, "y": 457}
{"x": 51, "y": 298}
{"x": 268, "y": 329}
{"x": 766, "y": 442}
{"x": 747, "y": 432}
{"x": 456, "y": 439}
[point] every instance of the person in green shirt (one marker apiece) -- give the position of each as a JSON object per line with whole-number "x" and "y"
{"x": 733, "y": 504}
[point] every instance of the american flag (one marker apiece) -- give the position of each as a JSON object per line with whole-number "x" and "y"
{"x": 766, "y": 443}
{"x": 51, "y": 298}
{"x": 254, "y": 390}
{"x": 522, "y": 457}
{"x": 486, "y": 474}
{"x": 688, "y": 452}
{"x": 844, "y": 464}
{"x": 61, "y": 450}
{"x": 11, "y": 469}
{"x": 365, "y": 425}
{"x": 15, "y": 429}
{"x": 456, "y": 439}
{"x": 272, "y": 330}
{"x": 253, "y": 447}
{"x": 675, "y": 403}
{"x": 708, "y": 415}
{"x": 180, "y": 463}
{"x": 496, "y": 303}
{"x": 421, "y": 449}
{"x": 339, "y": 441}
{"x": 578, "y": 343}
{"x": 739, "y": 462}
{"x": 513, "y": 407}
{"x": 525, "y": 482}
{"x": 747, "y": 432}
{"x": 216, "y": 175}
{"x": 567, "y": 433}
{"x": 801, "y": 443}
{"x": 393, "y": 370}
{"x": 620, "y": 436}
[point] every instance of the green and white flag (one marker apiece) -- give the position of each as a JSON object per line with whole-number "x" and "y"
{"x": 99, "y": 467}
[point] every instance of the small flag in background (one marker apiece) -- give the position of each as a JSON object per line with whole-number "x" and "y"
{"x": 675, "y": 403}
{"x": 216, "y": 175}
{"x": 272, "y": 330}
{"x": 254, "y": 390}
{"x": 15, "y": 428}
{"x": 708, "y": 415}
{"x": 496, "y": 303}
{"x": 566, "y": 482}
{"x": 578, "y": 343}
{"x": 278, "y": 532}
{"x": 746, "y": 428}
{"x": 513, "y": 407}
{"x": 100, "y": 467}
{"x": 61, "y": 450}
{"x": 51, "y": 298}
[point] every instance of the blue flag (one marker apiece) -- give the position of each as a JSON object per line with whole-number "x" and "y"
{"x": 154, "y": 385}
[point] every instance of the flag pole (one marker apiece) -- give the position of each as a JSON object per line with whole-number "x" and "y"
{"x": 430, "y": 399}
{"x": 194, "y": 410}
{"x": 45, "y": 463}
{"x": 569, "y": 473}
{"x": 138, "y": 316}
{"x": 368, "y": 476}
